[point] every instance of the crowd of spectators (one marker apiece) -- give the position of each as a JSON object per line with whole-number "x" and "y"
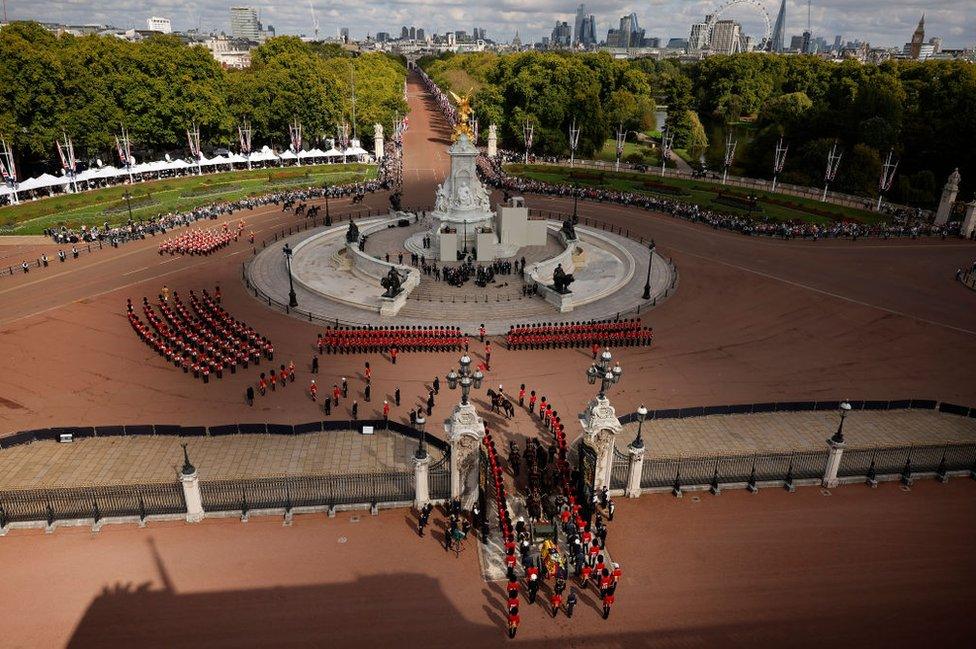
{"x": 904, "y": 222}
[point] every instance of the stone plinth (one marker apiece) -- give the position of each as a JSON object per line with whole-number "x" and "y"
{"x": 465, "y": 430}
{"x": 191, "y": 493}
{"x": 949, "y": 193}
{"x": 969, "y": 222}
{"x": 390, "y": 306}
{"x": 600, "y": 428}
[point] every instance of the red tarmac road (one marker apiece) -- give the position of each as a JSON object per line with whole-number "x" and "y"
{"x": 754, "y": 319}
{"x": 860, "y": 567}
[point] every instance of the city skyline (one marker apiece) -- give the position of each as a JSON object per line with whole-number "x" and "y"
{"x": 886, "y": 24}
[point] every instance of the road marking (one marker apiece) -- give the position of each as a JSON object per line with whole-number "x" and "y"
{"x": 137, "y": 270}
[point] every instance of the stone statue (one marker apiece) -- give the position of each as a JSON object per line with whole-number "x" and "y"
{"x": 440, "y": 202}
{"x": 561, "y": 280}
{"x": 463, "y": 126}
{"x": 464, "y": 198}
{"x": 352, "y": 234}
{"x": 378, "y": 131}
{"x": 953, "y": 183}
{"x": 568, "y": 230}
{"x": 393, "y": 283}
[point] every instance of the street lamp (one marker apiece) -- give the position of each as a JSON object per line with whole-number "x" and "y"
{"x": 601, "y": 369}
{"x": 641, "y": 416}
{"x": 838, "y": 437}
{"x": 292, "y": 298}
{"x": 128, "y": 204}
{"x": 465, "y": 378}
{"x": 328, "y": 217}
{"x": 575, "y": 204}
{"x": 650, "y": 262}
{"x": 422, "y": 427}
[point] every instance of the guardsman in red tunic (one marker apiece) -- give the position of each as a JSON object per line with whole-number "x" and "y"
{"x": 393, "y": 354}
{"x": 313, "y": 390}
{"x": 532, "y": 401}
{"x": 368, "y": 373}
{"x": 513, "y": 622}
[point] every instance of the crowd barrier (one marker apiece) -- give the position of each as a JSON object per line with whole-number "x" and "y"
{"x": 801, "y": 406}
{"x": 135, "y": 430}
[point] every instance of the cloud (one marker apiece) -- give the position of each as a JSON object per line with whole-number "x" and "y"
{"x": 881, "y": 22}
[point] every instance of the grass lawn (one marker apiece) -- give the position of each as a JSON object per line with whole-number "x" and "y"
{"x": 157, "y": 197}
{"x": 649, "y": 155}
{"x": 780, "y": 207}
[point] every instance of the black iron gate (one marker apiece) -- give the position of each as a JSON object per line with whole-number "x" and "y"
{"x": 587, "y": 474}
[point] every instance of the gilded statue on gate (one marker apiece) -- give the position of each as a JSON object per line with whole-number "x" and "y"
{"x": 463, "y": 125}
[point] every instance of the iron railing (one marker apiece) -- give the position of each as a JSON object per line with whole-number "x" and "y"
{"x": 907, "y": 460}
{"x": 619, "y": 470}
{"x": 439, "y": 479}
{"x": 307, "y": 491}
{"x": 66, "y": 503}
{"x": 732, "y": 468}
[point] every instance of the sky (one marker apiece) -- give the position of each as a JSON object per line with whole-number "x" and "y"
{"x": 880, "y": 22}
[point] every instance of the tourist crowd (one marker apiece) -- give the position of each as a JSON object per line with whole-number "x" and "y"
{"x": 621, "y": 333}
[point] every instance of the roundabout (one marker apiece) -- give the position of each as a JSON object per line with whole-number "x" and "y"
{"x": 409, "y": 268}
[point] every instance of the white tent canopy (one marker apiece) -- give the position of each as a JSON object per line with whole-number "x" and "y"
{"x": 289, "y": 155}
{"x": 333, "y": 153}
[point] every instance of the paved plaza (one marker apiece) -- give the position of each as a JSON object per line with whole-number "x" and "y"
{"x": 134, "y": 460}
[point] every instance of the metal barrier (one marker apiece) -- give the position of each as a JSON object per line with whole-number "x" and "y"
{"x": 733, "y": 468}
{"x": 907, "y": 460}
{"x": 439, "y": 479}
{"x": 91, "y": 502}
{"x": 802, "y": 406}
{"x": 29, "y": 436}
{"x": 306, "y": 491}
{"x": 619, "y": 470}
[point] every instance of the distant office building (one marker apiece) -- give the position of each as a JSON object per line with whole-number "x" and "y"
{"x": 412, "y": 34}
{"x": 162, "y": 25}
{"x": 678, "y": 44}
{"x": 420, "y": 34}
{"x": 779, "y": 30}
{"x": 562, "y": 35}
{"x": 936, "y": 43}
{"x": 651, "y": 42}
{"x": 344, "y": 34}
{"x": 404, "y": 32}
{"x": 382, "y": 37}
{"x": 584, "y": 30}
{"x": 806, "y": 44}
{"x": 244, "y": 23}
{"x": 726, "y": 37}
{"x": 630, "y": 34}
{"x": 837, "y": 41}
{"x": 796, "y": 44}
{"x": 699, "y": 36}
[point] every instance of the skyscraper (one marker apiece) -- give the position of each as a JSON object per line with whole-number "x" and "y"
{"x": 562, "y": 35}
{"x": 591, "y": 30}
{"x": 579, "y": 26}
{"x": 779, "y": 30}
{"x": 244, "y": 23}
{"x": 918, "y": 38}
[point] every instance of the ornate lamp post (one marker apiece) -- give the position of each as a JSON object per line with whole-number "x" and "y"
{"x": 421, "y": 452}
{"x": 641, "y": 416}
{"x": 128, "y": 203}
{"x": 838, "y": 437}
{"x": 650, "y": 262}
{"x": 601, "y": 369}
{"x": 465, "y": 378}
{"x": 292, "y": 298}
